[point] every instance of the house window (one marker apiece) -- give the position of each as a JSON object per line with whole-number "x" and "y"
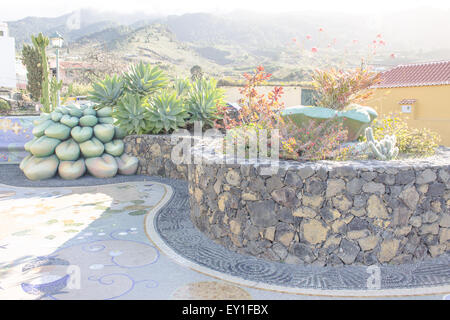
{"x": 406, "y": 108}
{"x": 406, "y": 105}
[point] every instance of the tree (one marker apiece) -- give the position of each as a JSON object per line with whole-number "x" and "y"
{"x": 32, "y": 61}
{"x": 196, "y": 73}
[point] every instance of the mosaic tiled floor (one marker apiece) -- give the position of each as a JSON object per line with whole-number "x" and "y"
{"x": 82, "y": 240}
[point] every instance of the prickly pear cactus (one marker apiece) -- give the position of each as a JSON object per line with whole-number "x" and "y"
{"x": 384, "y": 149}
{"x": 73, "y": 140}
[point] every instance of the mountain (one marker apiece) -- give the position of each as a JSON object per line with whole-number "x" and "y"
{"x": 229, "y": 44}
{"x": 153, "y": 44}
{"x": 413, "y": 29}
{"x": 72, "y": 26}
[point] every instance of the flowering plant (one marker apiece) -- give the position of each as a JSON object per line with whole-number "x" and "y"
{"x": 410, "y": 141}
{"x": 316, "y": 141}
{"x": 256, "y": 108}
{"x": 337, "y": 88}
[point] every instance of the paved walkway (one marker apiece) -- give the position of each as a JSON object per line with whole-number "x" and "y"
{"x": 131, "y": 238}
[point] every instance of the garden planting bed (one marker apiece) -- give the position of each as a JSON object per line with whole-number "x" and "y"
{"x": 325, "y": 212}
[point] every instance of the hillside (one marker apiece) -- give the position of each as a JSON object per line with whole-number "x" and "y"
{"x": 154, "y": 44}
{"x": 229, "y": 44}
{"x": 86, "y": 23}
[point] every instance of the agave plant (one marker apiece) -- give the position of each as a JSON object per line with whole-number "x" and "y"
{"x": 107, "y": 92}
{"x": 166, "y": 112}
{"x": 182, "y": 87}
{"x": 131, "y": 115}
{"x": 202, "y": 101}
{"x": 144, "y": 80}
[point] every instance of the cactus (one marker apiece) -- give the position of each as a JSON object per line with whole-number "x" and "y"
{"x": 384, "y": 149}
{"x": 41, "y": 42}
{"x": 55, "y": 87}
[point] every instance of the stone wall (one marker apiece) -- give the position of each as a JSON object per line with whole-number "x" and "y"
{"x": 153, "y": 152}
{"x": 326, "y": 213}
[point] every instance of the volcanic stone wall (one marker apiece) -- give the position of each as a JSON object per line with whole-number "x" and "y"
{"x": 326, "y": 213}
{"x": 323, "y": 213}
{"x": 154, "y": 154}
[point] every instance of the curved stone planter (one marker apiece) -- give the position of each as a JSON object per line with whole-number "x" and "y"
{"x": 326, "y": 213}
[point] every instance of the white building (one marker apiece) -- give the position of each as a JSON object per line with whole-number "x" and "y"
{"x": 7, "y": 58}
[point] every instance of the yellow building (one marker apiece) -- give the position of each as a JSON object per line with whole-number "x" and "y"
{"x": 418, "y": 92}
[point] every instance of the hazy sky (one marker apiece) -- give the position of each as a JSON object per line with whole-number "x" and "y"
{"x": 17, "y": 9}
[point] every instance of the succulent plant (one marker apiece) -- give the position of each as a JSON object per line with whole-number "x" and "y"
{"x": 166, "y": 112}
{"x": 202, "y": 101}
{"x": 384, "y": 149}
{"x": 5, "y": 107}
{"x": 144, "y": 80}
{"x": 131, "y": 116}
{"x": 182, "y": 87}
{"x": 107, "y": 92}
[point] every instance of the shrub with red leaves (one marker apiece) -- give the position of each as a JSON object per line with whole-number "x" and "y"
{"x": 256, "y": 108}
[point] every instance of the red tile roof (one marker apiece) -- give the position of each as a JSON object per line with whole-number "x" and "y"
{"x": 414, "y": 75}
{"x": 407, "y": 101}
{"x": 74, "y": 65}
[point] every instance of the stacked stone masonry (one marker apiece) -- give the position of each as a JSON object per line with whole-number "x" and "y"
{"x": 154, "y": 154}
{"x": 322, "y": 213}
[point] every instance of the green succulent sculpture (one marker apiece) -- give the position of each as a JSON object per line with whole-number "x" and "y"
{"x": 72, "y": 140}
{"x": 384, "y": 149}
{"x": 107, "y": 92}
{"x": 131, "y": 116}
{"x": 144, "y": 80}
{"x": 202, "y": 101}
{"x": 167, "y": 112}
